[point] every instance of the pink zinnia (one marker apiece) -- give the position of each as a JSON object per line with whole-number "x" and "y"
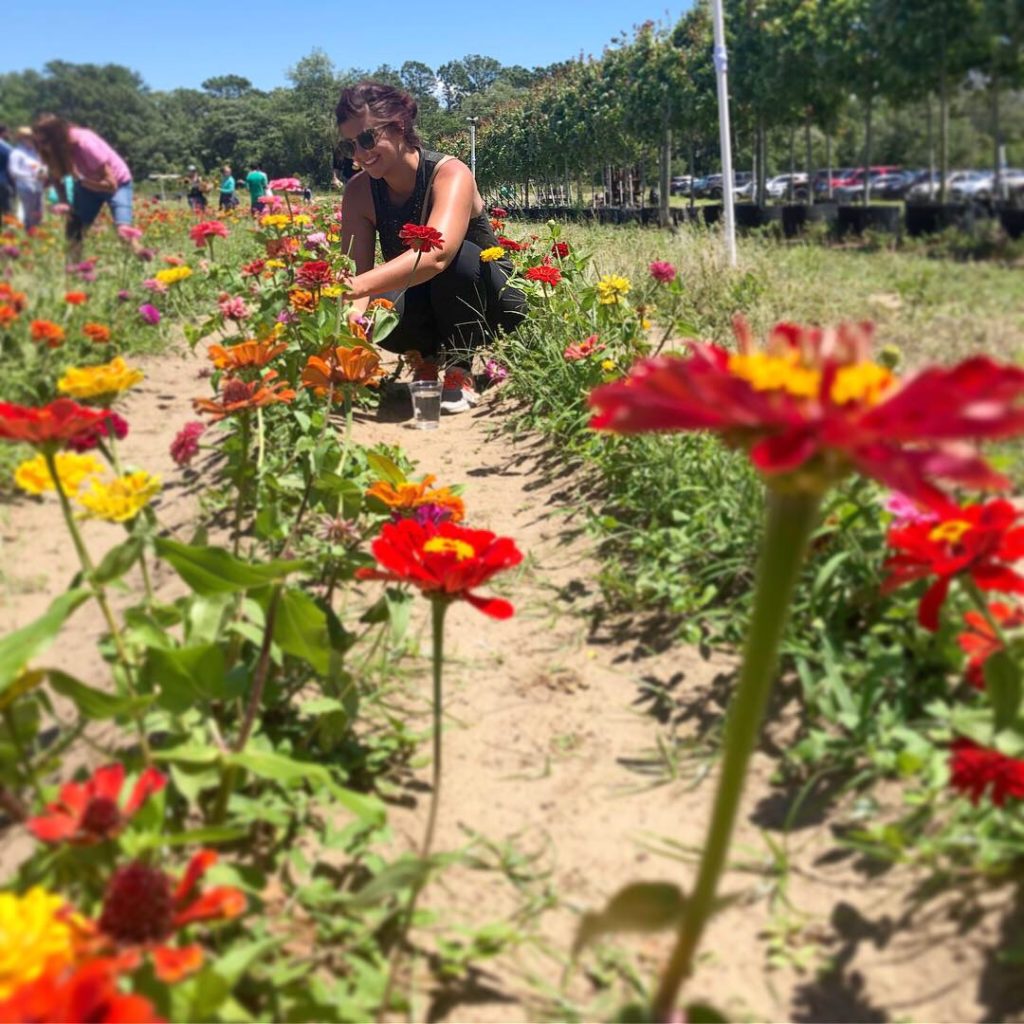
{"x": 151, "y": 284}
{"x": 234, "y": 308}
{"x": 185, "y": 446}
{"x": 207, "y": 229}
{"x": 663, "y": 271}
{"x": 129, "y": 233}
{"x": 587, "y": 347}
{"x": 286, "y": 185}
{"x": 150, "y": 314}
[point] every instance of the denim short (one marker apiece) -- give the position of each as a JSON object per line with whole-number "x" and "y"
{"x": 87, "y": 204}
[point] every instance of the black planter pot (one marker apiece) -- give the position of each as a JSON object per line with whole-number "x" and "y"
{"x": 931, "y": 218}
{"x": 1013, "y": 222}
{"x": 748, "y": 215}
{"x": 712, "y": 213}
{"x": 858, "y": 219}
{"x": 796, "y": 217}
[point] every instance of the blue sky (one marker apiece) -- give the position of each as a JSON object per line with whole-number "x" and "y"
{"x": 183, "y": 42}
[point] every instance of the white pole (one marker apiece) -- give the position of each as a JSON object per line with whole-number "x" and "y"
{"x": 472, "y": 144}
{"x": 721, "y": 73}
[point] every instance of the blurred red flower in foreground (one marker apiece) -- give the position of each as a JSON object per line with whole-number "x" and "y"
{"x": 979, "y": 541}
{"x": 89, "y": 812}
{"x": 445, "y": 561}
{"x": 975, "y": 770}
{"x": 207, "y": 229}
{"x": 78, "y": 994}
{"x": 51, "y": 424}
{"x": 421, "y": 237}
{"x": 979, "y": 642}
{"x": 811, "y": 407}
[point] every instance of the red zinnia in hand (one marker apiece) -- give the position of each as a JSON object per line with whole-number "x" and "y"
{"x": 544, "y": 274}
{"x": 89, "y": 812}
{"x": 976, "y": 770}
{"x": 421, "y": 237}
{"x": 979, "y": 642}
{"x": 445, "y": 562}
{"x": 977, "y": 541}
{"x": 811, "y": 407}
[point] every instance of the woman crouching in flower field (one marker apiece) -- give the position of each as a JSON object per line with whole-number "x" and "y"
{"x": 100, "y": 174}
{"x": 435, "y": 235}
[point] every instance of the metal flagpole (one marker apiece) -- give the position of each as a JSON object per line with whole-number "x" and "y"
{"x": 721, "y": 57}
{"x": 472, "y": 143}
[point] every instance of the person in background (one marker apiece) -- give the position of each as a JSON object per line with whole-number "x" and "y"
{"x": 27, "y": 173}
{"x": 256, "y": 181}
{"x": 228, "y": 199}
{"x": 197, "y": 189}
{"x": 101, "y": 177}
{"x": 6, "y": 187}
{"x": 307, "y": 195}
{"x": 450, "y": 300}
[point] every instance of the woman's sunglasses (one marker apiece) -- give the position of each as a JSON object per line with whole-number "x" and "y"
{"x": 365, "y": 140}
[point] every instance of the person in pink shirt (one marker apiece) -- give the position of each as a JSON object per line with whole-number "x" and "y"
{"x": 100, "y": 173}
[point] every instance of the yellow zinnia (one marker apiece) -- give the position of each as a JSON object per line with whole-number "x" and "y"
{"x": 35, "y": 930}
{"x": 121, "y": 499}
{"x": 172, "y": 275}
{"x": 490, "y": 255}
{"x": 92, "y": 381}
{"x": 33, "y": 475}
{"x": 611, "y": 289}
{"x": 275, "y": 264}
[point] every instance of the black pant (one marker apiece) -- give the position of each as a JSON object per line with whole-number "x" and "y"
{"x": 457, "y": 311}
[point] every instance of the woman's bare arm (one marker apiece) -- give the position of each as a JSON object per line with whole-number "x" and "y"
{"x": 453, "y": 193}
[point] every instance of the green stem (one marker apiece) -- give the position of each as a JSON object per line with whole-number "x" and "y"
{"x": 243, "y": 479}
{"x": 147, "y": 580}
{"x": 99, "y": 594}
{"x": 791, "y": 520}
{"x": 23, "y": 755}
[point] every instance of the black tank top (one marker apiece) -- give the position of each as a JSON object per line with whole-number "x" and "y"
{"x": 391, "y": 219}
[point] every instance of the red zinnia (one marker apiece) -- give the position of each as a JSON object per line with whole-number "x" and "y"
{"x": 500, "y": 212}
{"x": 510, "y": 245}
{"x": 254, "y": 268}
{"x": 48, "y": 331}
{"x": 980, "y": 642}
{"x": 75, "y": 298}
{"x": 143, "y": 907}
{"x": 314, "y": 274}
{"x": 546, "y": 275}
{"x": 445, "y": 561}
{"x": 812, "y": 407}
{"x": 75, "y": 994}
{"x": 207, "y": 229}
{"x": 975, "y": 770}
{"x": 89, "y": 812}
{"x": 662, "y": 271}
{"x": 560, "y": 249}
{"x": 980, "y": 541}
{"x": 51, "y": 424}
{"x": 587, "y": 347}
{"x": 421, "y": 237}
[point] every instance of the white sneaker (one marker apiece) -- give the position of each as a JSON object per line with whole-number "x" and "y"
{"x": 457, "y": 393}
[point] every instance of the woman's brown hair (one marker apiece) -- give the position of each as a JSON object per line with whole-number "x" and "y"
{"x": 384, "y": 102}
{"x": 54, "y": 142}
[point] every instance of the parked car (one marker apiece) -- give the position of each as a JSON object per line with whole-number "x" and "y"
{"x": 680, "y": 185}
{"x": 927, "y": 191}
{"x": 779, "y": 186}
{"x": 982, "y": 187}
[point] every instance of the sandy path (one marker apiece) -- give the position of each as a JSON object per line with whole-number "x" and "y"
{"x": 551, "y": 752}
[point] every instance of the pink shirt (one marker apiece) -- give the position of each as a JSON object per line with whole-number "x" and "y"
{"x": 90, "y": 153}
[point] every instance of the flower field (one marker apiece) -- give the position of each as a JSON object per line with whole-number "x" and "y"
{"x": 679, "y": 681}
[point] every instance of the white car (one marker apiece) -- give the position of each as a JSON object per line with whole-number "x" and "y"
{"x": 926, "y": 191}
{"x": 779, "y": 186}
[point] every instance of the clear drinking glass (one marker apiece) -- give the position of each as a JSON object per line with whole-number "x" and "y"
{"x": 426, "y": 403}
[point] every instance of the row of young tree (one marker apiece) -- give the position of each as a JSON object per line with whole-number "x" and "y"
{"x": 824, "y": 72}
{"x": 290, "y": 130}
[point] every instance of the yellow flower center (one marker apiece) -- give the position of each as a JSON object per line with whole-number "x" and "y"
{"x": 776, "y": 373}
{"x": 449, "y": 545}
{"x": 866, "y": 383}
{"x": 950, "y": 532}
{"x": 33, "y": 932}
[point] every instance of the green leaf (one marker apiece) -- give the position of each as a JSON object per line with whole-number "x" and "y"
{"x": 206, "y": 836}
{"x": 117, "y": 561}
{"x": 95, "y": 703}
{"x": 385, "y": 468}
{"x": 1003, "y": 686}
{"x": 185, "y": 675}
{"x": 209, "y": 570}
{"x": 235, "y": 962}
{"x": 21, "y": 646}
{"x": 300, "y": 628}
{"x": 638, "y": 907}
{"x": 278, "y": 768}
{"x": 189, "y": 753}
{"x": 403, "y": 874}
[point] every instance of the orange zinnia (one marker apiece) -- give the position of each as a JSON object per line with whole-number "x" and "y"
{"x": 240, "y": 396}
{"x": 75, "y": 298}
{"x": 254, "y": 354}
{"x": 358, "y": 365}
{"x": 97, "y": 333}
{"x": 9, "y": 296}
{"x": 302, "y": 301}
{"x": 8, "y": 314}
{"x": 408, "y": 496}
{"x": 48, "y": 331}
